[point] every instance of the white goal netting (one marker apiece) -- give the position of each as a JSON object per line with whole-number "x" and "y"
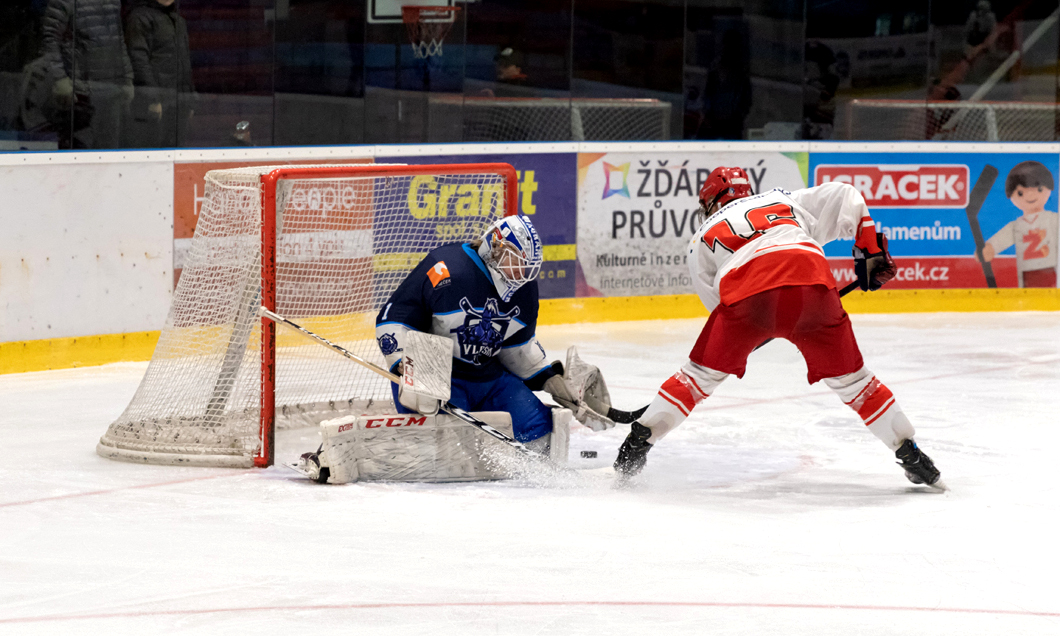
{"x": 343, "y": 244}
{"x": 881, "y": 119}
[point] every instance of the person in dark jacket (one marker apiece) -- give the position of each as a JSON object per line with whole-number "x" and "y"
{"x": 83, "y": 46}
{"x": 157, "y": 37}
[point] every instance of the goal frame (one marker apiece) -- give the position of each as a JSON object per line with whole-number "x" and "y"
{"x": 262, "y": 453}
{"x": 270, "y": 182}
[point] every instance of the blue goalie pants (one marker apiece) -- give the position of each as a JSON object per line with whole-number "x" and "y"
{"x": 531, "y": 418}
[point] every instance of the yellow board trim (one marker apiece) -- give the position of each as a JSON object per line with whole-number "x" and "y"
{"x": 559, "y": 252}
{"x": 902, "y": 301}
{"x": 83, "y": 351}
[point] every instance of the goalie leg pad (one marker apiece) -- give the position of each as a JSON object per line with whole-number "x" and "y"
{"x": 875, "y": 404}
{"x": 559, "y": 443}
{"x": 401, "y": 447}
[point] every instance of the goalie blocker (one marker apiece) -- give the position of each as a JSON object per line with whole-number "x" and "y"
{"x": 413, "y": 447}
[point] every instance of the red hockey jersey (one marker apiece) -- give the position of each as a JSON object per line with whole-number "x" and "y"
{"x": 774, "y": 239}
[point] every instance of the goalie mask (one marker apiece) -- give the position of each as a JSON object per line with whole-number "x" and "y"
{"x": 511, "y": 251}
{"x": 723, "y": 186}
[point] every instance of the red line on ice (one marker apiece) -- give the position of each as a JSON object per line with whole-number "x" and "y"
{"x": 89, "y": 493}
{"x": 646, "y": 604}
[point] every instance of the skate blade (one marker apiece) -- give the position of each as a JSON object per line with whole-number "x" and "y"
{"x": 301, "y": 471}
{"x": 939, "y": 485}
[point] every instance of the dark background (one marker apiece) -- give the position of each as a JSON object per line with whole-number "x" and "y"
{"x": 306, "y": 72}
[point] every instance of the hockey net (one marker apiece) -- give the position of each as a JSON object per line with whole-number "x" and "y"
{"x": 322, "y": 245}
{"x": 882, "y": 119}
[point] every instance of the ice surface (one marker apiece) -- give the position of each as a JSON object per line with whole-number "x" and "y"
{"x": 770, "y": 511}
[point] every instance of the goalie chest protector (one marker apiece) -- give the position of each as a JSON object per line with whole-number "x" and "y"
{"x": 451, "y": 294}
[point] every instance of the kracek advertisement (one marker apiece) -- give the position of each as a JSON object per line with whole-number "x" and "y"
{"x": 954, "y": 220}
{"x": 635, "y": 214}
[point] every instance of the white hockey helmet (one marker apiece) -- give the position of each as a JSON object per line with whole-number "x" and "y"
{"x": 511, "y": 250}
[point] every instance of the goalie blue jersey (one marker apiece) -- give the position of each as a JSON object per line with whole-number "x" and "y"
{"x": 451, "y": 294}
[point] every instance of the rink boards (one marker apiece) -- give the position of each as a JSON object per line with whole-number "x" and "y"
{"x": 96, "y": 239}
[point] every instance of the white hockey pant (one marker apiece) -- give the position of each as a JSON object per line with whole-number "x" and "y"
{"x": 874, "y": 402}
{"x": 678, "y": 396}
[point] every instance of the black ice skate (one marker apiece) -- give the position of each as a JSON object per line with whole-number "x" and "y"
{"x": 633, "y": 453}
{"x": 918, "y": 467}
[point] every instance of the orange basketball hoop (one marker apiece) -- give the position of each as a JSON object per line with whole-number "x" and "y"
{"x": 427, "y": 27}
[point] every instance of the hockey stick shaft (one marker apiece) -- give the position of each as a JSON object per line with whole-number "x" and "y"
{"x": 628, "y": 417}
{"x": 976, "y": 198}
{"x": 455, "y": 411}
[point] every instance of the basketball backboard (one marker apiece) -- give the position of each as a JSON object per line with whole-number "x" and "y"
{"x": 389, "y": 11}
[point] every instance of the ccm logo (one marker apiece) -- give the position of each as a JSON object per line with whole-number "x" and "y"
{"x": 940, "y": 186}
{"x": 394, "y": 422}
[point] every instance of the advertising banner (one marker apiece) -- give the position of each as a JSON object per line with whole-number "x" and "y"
{"x": 189, "y": 191}
{"x": 547, "y": 195}
{"x": 635, "y": 214}
{"x": 961, "y": 220}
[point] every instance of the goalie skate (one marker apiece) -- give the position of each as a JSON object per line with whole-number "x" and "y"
{"x": 309, "y": 466}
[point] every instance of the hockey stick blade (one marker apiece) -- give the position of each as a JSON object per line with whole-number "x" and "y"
{"x": 976, "y": 198}
{"x": 449, "y": 408}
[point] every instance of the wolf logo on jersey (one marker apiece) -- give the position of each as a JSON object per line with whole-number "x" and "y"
{"x": 483, "y": 331}
{"x": 388, "y": 344}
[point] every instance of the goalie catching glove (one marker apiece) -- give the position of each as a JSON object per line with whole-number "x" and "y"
{"x": 582, "y": 389}
{"x": 873, "y": 264}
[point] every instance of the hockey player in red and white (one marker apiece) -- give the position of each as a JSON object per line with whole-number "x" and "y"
{"x": 758, "y": 266}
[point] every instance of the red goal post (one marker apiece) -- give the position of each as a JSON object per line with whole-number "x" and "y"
{"x": 323, "y": 244}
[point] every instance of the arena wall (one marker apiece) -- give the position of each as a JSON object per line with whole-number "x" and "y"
{"x": 91, "y": 244}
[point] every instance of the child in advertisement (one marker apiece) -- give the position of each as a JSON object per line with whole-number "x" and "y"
{"x": 1034, "y": 234}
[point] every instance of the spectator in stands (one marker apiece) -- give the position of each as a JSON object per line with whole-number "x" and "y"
{"x": 157, "y": 37}
{"x": 981, "y": 23}
{"x": 506, "y": 63}
{"x": 83, "y": 52}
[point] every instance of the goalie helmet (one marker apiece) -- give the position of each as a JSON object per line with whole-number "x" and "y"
{"x": 723, "y": 186}
{"x": 512, "y": 251}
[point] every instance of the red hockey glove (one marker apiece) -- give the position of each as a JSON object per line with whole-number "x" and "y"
{"x": 874, "y": 270}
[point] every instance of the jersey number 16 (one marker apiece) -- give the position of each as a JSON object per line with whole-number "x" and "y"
{"x": 758, "y": 220}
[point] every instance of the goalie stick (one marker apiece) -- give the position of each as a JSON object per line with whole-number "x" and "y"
{"x": 976, "y": 198}
{"x": 628, "y": 417}
{"x": 449, "y": 408}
